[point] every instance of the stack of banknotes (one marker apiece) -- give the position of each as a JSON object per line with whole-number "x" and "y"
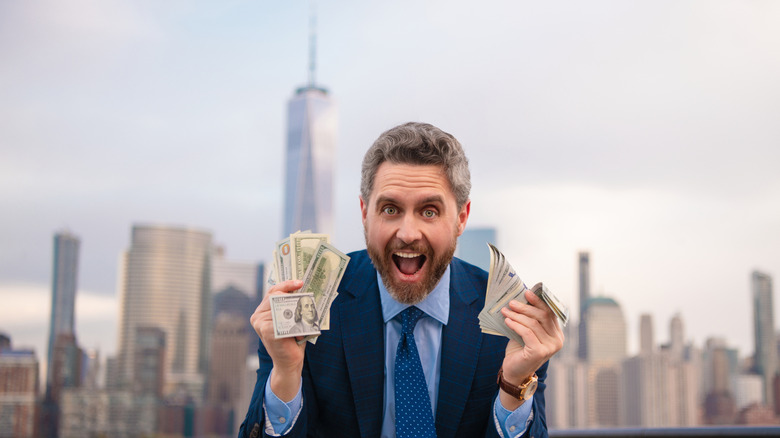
{"x": 504, "y": 285}
{"x": 309, "y": 257}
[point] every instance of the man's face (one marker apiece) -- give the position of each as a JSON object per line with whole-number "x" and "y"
{"x": 411, "y": 224}
{"x": 307, "y": 310}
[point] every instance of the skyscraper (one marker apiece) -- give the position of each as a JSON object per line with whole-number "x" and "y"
{"x": 606, "y": 350}
{"x": 165, "y": 284}
{"x": 764, "y": 324}
{"x": 63, "y": 299}
{"x": 607, "y": 325}
{"x": 646, "y": 344}
{"x": 676, "y": 337}
{"x": 311, "y": 148}
{"x": 18, "y": 390}
{"x": 584, "y": 289}
{"x": 226, "y": 368}
{"x": 720, "y": 365}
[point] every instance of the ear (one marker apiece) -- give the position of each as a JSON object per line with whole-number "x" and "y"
{"x": 363, "y": 210}
{"x": 463, "y": 216}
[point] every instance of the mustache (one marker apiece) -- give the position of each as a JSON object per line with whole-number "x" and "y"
{"x": 398, "y": 245}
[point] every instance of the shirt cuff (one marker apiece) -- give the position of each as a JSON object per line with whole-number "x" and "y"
{"x": 280, "y": 417}
{"x": 511, "y": 424}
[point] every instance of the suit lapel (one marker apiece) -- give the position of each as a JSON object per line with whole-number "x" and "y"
{"x": 363, "y": 337}
{"x": 461, "y": 340}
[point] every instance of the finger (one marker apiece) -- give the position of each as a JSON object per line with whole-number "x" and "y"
{"x": 526, "y": 325}
{"x": 286, "y": 286}
{"x": 538, "y": 303}
{"x": 541, "y": 329}
{"x": 545, "y": 316}
{"x": 261, "y": 319}
{"x": 283, "y": 287}
{"x": 538, "y": 344}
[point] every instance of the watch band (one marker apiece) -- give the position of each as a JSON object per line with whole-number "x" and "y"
{"x": 522, "y": 392}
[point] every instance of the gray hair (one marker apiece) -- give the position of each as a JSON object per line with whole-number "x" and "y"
{"x": 418, "y": 144}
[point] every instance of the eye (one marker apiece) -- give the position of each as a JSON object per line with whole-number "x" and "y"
{"x": 390, "y": 210}
{"x": 429, "y": 213}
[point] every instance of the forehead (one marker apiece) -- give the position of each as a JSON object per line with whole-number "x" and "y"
{"x": 410, "y": 181}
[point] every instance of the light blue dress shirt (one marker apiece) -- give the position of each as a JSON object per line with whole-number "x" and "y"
{"x": 427, "y": 335}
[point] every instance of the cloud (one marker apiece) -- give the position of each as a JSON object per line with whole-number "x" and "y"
{"x": 26, "y": 320}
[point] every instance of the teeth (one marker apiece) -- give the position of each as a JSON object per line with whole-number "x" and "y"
{"x": 407, "y": 255}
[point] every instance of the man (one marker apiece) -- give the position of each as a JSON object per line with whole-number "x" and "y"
{"x": 364, "y": 376}
{"x": 305, "y": 316}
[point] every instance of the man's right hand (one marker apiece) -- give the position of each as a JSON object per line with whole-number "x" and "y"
{"x": 286, "y": 353}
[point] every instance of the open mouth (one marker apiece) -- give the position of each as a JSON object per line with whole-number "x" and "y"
{"x": 408, "y": 263}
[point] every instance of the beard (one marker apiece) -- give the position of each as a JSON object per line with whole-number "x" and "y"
{"x": 410, "y": 293}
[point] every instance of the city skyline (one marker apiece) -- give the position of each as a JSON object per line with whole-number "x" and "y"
{"x": 643, "y": 134}
{"x": 171, "y": 261}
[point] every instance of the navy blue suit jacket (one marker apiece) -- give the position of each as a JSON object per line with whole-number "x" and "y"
{"x": 343, "y": 373}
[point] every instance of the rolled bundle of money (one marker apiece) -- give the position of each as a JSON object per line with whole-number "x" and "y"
{"x": 504, "y": 285}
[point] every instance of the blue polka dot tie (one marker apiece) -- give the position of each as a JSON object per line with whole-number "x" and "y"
{"x": 413, "y": 412}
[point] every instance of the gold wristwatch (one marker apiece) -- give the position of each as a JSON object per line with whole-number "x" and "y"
{"x": 523, "y": 392}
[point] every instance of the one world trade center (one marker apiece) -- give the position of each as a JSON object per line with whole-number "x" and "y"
{"x": 311, "y": 147}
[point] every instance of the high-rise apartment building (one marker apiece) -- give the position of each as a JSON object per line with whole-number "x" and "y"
{"x": 165, "y": 284}
{"x": 720, "y": 366}
{"x": 659, "y": 389}
{"x": 472, "y": 246}
{"x": 228, "y": 362}
{"x": 584, "y": 295}
{"x": 63, "y": 299}
{"x": 312, "y": 121}
{"x": 237, "y": 289}
{"x": 18, "y": 391}
{"x": 606, "y": 350}
{"x": 764, "y": 331}
{"x": 607, "y": 327}
{"x": 646, "y": 343}
{"x": 676, "y": 337}
{"x": 567, "y": 392}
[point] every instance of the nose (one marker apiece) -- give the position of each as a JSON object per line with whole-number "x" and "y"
{"x": 409, "y": 230}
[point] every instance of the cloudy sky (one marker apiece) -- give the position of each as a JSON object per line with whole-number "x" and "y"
{"x": 647, "y": 133}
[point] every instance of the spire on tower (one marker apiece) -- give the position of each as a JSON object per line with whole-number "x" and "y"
{"x": 312, "y": 43}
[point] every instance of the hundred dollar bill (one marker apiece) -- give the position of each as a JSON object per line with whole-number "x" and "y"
{"x": 324, "y": 275}
{"x": 294, "y": 315}
{"x": 302, "y": 248}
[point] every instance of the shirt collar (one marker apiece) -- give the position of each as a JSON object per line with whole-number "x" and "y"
{"x": 436, "y": 304}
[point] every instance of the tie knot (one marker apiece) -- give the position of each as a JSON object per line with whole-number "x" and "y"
{"x": 409, "y": 318}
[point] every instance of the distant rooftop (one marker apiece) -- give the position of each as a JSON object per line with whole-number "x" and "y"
{"x": 7, "y": 352}
{"x": 303, "y": 89}
{"x": 601, "y": 301}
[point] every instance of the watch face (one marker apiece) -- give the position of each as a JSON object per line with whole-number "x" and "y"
{"x": 530, "y": 389}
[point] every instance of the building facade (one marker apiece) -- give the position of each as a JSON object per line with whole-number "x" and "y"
{"x": 764, "y": 333}
{"x": 606, "y": 350}
{"x": 583, "y": 265}
{"x": 312, "y": 122}
{"x": 18, "y": 392}
{"x": 165, "y": 284}
{"x": 63, "y": 300}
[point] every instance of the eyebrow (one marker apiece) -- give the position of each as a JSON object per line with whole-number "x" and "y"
{"x": 435, "y": 199}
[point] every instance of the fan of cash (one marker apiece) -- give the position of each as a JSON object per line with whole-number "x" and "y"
{"x": 309, "y": 257}
{"x": 504, "y": 285}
